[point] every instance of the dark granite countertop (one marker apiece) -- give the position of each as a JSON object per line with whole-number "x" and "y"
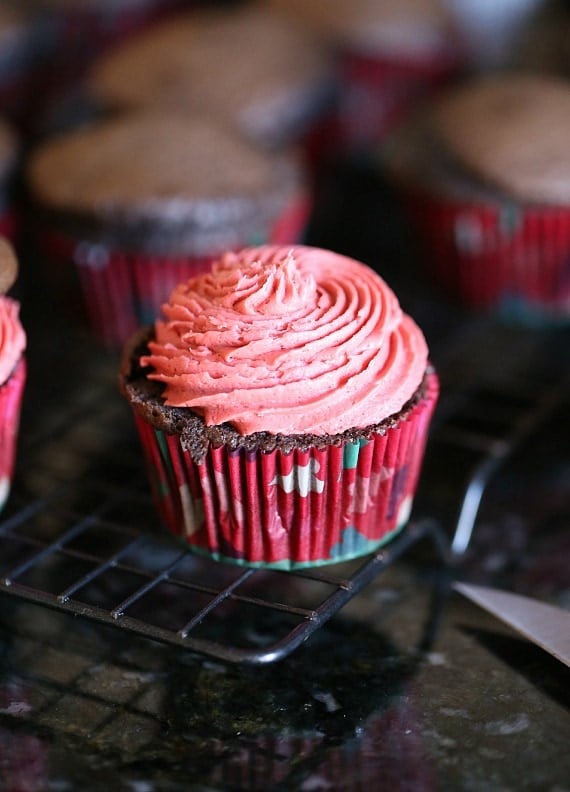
{"x": 409, "y": 687}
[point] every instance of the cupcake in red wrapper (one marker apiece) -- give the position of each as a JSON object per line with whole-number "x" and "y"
{"x": 390, "y": 55}
{"x": 12, "y": 369}
{"x": 140, "y": 204}
{"x": 485, "y": 175}
{"x": 283, "y": 405}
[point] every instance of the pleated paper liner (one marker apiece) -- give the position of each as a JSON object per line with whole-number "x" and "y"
{"x": 11, "y": 394}
{"x": 510, "y": 258}
{"x": 376, "y": 93}
{"x": 290, "y": 510}
{"x": 124, "y": 290}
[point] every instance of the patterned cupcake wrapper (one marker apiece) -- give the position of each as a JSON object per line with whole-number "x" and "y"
{"x": 377, "y": 93}
{"x": 123, "y": 290}
{"x": 288, "y": 510}
{"x": 11, "y": 394}
{"x": 506, "y": 257}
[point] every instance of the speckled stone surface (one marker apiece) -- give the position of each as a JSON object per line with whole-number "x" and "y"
{"x": 401, "y": 690}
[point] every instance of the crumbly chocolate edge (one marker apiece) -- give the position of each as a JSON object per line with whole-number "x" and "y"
{"x": 144, "y": 396}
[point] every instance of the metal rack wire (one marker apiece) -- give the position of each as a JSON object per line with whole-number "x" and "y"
{"x": 88, "y": 546}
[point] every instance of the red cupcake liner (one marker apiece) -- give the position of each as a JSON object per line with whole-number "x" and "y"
{"x": 11, "y": 394}
{"x": 287, "y": 510}
{"x": 377, "y": 92}
{"x": 124, "y": 290}
{"x": 504, "y": 256}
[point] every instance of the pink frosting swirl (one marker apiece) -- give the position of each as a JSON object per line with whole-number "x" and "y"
{"x": 12, "y": 337}
{"x": 287, "y": 340}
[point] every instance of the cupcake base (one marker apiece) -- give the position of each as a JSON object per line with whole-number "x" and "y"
{"x": 504, "y": 256}
{"x": 280, "y": 509}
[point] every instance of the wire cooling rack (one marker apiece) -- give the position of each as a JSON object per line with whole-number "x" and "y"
{"x": 86, "y": 543}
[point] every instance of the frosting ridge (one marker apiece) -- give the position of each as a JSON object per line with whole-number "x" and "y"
{"x": 288, "y": 340}
{"x": 12, "y": 337}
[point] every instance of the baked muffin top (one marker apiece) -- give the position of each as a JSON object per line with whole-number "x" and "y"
{"x": 511, "y": 132}
{"x": 138, "y": 176}
{"x": 246, "y": 65}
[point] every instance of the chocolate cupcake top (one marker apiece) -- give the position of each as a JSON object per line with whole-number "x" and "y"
{"x": 371, "y": 26}
{"x": 162, "y": 184}
{"x": 511, "y": 133}
{"x": 257, "y": 71}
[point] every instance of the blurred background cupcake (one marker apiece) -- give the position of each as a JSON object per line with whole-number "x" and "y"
{"x": 485, "y": 174}
{"x": 17, "y": 62}
{"x": 390, "y": 55}
{"x": 71, "y": 34}
{"x": 12, "y": 368}
{"x": 136, "y": 204}
{"x": 260, "y": 74}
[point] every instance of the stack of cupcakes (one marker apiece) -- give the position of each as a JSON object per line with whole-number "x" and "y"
{"x": 283, "y": 404}
{"x": 135, "y": 205}
{"x": 12, "y": 369}
{"x": 485, "y": 175}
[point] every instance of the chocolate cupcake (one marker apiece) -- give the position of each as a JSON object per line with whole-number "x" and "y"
{"x": 257, "y": 72}
{"x": 283, "y": 405}
{"x": 12, "y": 369}
{"x": 485, "y": 173}
{"x": 139, "y": 204}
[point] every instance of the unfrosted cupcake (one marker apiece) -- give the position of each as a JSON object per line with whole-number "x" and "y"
{"x": 12, "y": 369}
{"x": 390, "y": 55}
{"x": 283, "y": 404}
{"x": 138, "y": 204}
{"x": 485, "y": 173}
{"x": 255, "y": 71}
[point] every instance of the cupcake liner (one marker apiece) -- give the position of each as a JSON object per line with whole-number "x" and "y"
{"x": 504, "y": 256}
{"x": 124, "y": 290}
{"x": 289, "y": 510}
{"x": 377, "y": 93}
{"x": 11, "y": 394}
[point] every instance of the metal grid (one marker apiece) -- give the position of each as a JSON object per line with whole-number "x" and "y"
{"x": 88, "y": 546}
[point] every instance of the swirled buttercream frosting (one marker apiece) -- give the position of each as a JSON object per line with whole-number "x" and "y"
{"x": 12, "y": 337}
{"x": 287, "y": 340}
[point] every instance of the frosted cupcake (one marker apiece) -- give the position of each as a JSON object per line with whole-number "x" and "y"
{"x": 485, "y": 172}
{"x": 136, "y": 205}
{"x": 283, "y": 404}
{"x": 258, "y": 73}
{"x": 12, "y": 369}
